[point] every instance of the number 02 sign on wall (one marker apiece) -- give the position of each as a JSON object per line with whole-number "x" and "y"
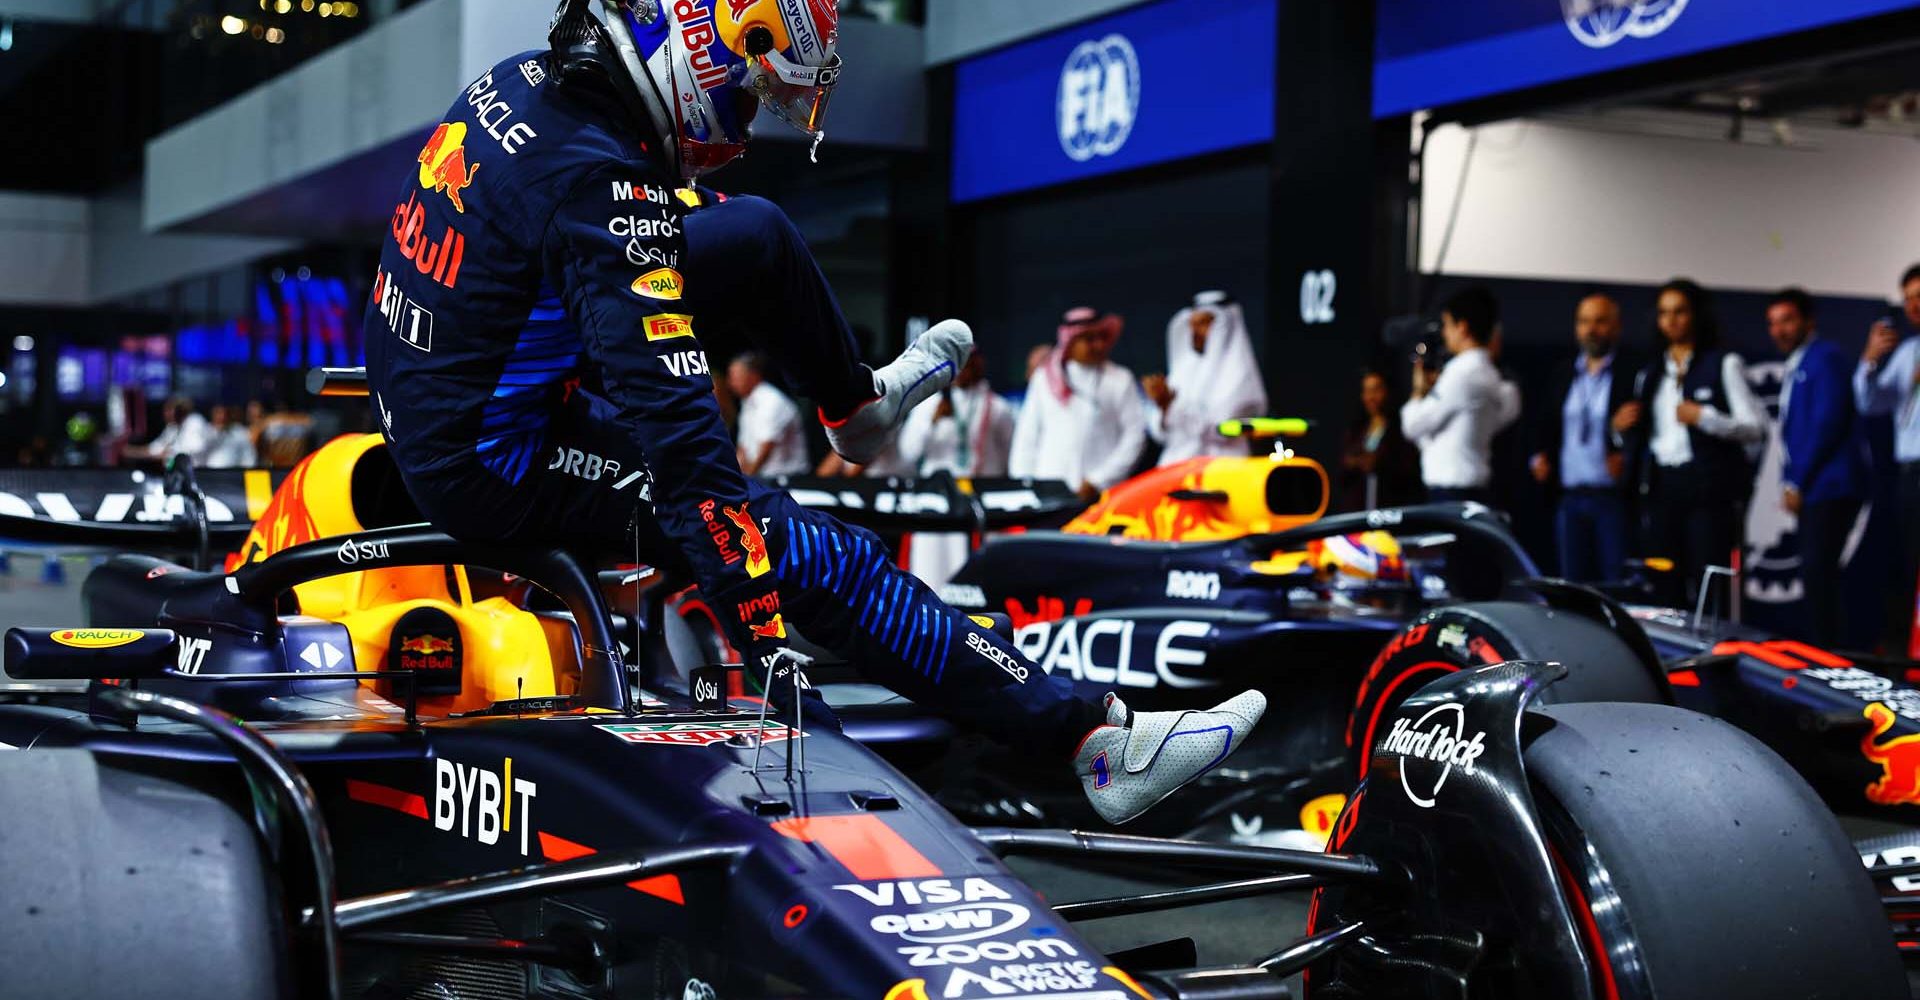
{"x": 1316, "y": 297}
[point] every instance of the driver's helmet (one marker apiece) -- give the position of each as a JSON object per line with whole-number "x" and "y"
{"x": 1366, "y": 559}
{"x": 704, "y": 67}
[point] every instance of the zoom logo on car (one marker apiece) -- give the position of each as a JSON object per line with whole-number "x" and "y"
{"x": 1437, "y": 738}
{"x": 975, "y": 908}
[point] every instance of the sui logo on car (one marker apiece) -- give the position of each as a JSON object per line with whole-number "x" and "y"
{"x": 1099, "y": 98}
{"x": 1598, "y": 24}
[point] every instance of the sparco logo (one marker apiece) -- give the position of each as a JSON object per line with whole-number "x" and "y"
{"x": 964, "y": 922}
{"x": 1099, "y": 98}
{"x": 1600, "y": 23}
{"x": 1438, "y": 737}
{"x": 351, "y": 552}
{"x": 996, "y": 655}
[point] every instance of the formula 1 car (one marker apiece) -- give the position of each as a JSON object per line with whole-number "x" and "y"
{"x": 300, "y": 777}
{"x": 1208, "y": 573}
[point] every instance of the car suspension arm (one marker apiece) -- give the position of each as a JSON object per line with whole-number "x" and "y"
{"x": 1149, "y": 902}
{"x": 610, "y": 868}
{"x": 1007, "y": 841}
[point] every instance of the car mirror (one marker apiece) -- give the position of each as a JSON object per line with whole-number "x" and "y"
{"x": 46, "y": 654}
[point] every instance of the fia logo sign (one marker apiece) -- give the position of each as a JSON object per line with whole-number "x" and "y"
{"x": 1598, "y": 24}
{"x": 1099, "y": 98}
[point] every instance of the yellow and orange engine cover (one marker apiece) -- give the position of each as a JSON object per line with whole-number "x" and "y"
{"x": 506, "y": 651}
{"x": 1208, "y": 499}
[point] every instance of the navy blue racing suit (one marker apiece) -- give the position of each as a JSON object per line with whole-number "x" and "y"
{"x": 536, "y": 246}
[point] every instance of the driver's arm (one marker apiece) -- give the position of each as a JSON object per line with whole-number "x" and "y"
{"x": 644, "y": 349}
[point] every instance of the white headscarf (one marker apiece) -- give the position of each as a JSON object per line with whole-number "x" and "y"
{"x": 1221, "y": 383}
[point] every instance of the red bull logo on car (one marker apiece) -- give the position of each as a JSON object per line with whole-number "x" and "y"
{"x": 1899, "y": 760}
{"x": 426, "y": 645}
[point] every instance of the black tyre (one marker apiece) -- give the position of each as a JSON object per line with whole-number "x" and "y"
{"x": 121, "y": 884}
{"x": 1700, "y": 864}
{"x": 1600, "y": 665}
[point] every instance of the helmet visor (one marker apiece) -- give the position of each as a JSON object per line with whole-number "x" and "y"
{"x": 795, "y": 94}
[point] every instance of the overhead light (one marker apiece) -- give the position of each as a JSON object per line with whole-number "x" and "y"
{"x": 275, "y": 36}
{"x": 232, "y": 25}
{"x": 326, "y": 9}
{"x": 306, "y": 5}
{"x": 6, "y": 34}
{"x": 23, "y": 343}
{"x": 282, "y": 6}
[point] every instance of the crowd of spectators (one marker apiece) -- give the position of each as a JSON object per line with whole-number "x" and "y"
{"x": 1649, "y": 462}
{"x": 224, "y": 437}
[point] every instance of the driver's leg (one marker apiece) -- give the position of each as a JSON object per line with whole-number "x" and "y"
{"x": 838, "y": 583}
{"x": 752, "y": 283}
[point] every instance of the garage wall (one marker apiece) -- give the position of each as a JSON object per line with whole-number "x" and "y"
{"x": 1836, "y": 212}
{"x": 1139, "y": 247}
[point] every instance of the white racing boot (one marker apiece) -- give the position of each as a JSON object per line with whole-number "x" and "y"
{"x": 1139, "y": 758}
{"x": 921, "y": 370}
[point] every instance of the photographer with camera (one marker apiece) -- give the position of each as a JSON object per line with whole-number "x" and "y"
{"x": 1453, "y": 415}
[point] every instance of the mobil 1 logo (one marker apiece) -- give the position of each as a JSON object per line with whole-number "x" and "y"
{"x": 405, "y": 318}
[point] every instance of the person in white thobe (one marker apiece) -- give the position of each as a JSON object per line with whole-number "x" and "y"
{"x": 1084, "y": 420}
{"x": 1211, "y": 377}
{"x": 966, "y": 433}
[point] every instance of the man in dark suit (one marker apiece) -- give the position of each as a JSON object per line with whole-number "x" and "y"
{"x": 1824, "y": 470}
{"x": 1576, "y": 457}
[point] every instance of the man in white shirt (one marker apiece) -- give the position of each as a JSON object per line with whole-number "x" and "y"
{"x": 186, "y": 433}
{"x": 1452, "y": 418}
{"x": 1084, "y": 420}
{"x": 964, "y": 432}
{"x": 768, "y": 435}
{"x": 1212, "y": 377}
{"x": 1887, "y": 383}
{"x": 230, "y": 445}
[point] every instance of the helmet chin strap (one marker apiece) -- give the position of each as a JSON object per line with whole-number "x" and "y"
{"x": 661, "y": 112}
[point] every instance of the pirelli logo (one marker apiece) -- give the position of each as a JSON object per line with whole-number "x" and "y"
{"x": 667, "y": 326}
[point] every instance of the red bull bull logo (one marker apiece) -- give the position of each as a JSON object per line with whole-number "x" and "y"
{"x": 426, "y": 645}
{"x": 443, "y": 163}
{"x": 751, "y": 541}
{"x": 1899, "y": 759}
{"x": 772, "y": 628}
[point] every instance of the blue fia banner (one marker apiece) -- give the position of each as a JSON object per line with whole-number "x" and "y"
{"x": 1156, "y": 83}
{"x": 1430, "y": 54}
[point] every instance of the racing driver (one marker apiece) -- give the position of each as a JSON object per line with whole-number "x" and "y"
{"x": 535, "y": 363}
